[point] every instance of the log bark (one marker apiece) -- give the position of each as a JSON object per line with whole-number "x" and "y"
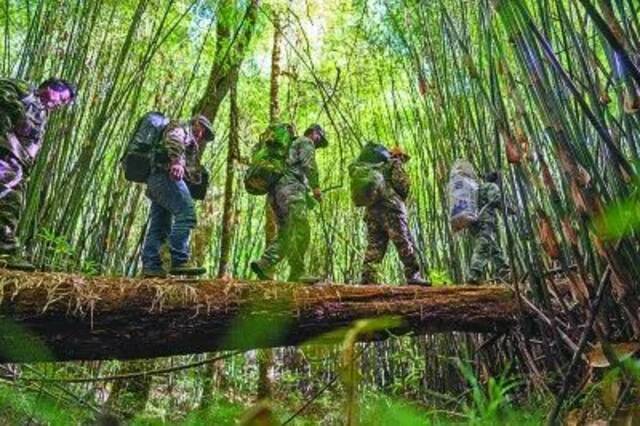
{"x": 62, "y": 317}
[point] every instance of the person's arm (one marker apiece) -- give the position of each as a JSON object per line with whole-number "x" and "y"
{"x": 400, "y": 179}
{"x": 174, "y": 140}
{"x": 494, "y": 197}
{"x": 305, "y": 159}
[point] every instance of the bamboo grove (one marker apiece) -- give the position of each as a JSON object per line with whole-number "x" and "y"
{"x": 546, "y": 91}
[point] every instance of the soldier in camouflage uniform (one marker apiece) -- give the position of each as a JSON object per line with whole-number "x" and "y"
{"x": 289, "y": 200}
{"x": 386, "y": 220}
{"x": 485, "y": 231}
{"x": 23, "y": 117}
{"x": 176, "y": 162}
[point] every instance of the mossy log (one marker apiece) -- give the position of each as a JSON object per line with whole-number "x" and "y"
{"x": 63, "y": 317}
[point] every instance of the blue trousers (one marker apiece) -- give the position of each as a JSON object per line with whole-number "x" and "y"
{"x": 172, "y": 217}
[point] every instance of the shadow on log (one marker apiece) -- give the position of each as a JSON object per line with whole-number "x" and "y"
{"x": 62, "y": 317}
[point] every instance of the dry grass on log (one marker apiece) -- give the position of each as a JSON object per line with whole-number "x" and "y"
{"x": 82, "y": 296}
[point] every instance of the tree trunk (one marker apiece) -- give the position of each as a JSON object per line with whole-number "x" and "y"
{"x": 265, "y": 357}
{"x": 227, "y": 210}
{"x": 233, "y": 38}
{"x": 276, "y": 53}
{"x": 227, "y": 228}
{"x": 68, "y": 317}
{"x": 129, "y": 397}
{"x": 271, "y": 225}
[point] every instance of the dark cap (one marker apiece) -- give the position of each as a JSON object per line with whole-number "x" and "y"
{"x": 492, "y": 176}
{"x": 317, "y": 128}
{"x": 209, "y": 134}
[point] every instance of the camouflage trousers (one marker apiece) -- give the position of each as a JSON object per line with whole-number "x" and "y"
{"x": 293, "y": 234}
{"x": 11, "y": 202}
{"x": 384, "y": 224}
{"x": 486, "y": 251}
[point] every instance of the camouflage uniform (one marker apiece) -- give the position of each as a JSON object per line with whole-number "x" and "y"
{"x": 387, "y": 220}
{"x": 484, "y": 232}
{"x": 289, "y": 200}
{"x": 18, "y": 150}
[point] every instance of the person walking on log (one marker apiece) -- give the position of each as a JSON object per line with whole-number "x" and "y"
{"x": 484, "y": 232}
{"x": 289, "y": 199}
{"x": 175, "y": 167}
{"x": 380, "y": 183}
{"x": 24, "y": 111}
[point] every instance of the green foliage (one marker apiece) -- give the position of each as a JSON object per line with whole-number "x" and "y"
{"x": 254, "y": 329}
{"x": 440, "y": 278}
{"x": 221, "y": 413}
{"x": 490, "y": 404}
{"x": 19, "y": 342}
{"x": 621, "y": 218}
{"x": 379, "y": 410}
{"x": 61, "y": 255}
{"x": 18, "y": 407}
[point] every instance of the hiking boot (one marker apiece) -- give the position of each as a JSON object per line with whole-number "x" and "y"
{"x": 154, "y": 273}
{"x": 187, "y": 269}
{"x": 419, "y": 281}
{"x": 16, "y": 263}
{"x": 261, "y": 272}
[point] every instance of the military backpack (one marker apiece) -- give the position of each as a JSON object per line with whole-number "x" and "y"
{"x": 138, "y": 157}
{"x": 269, "y": 158}
{"x": 367, "y": 174}
{"x": 463, "y": 195}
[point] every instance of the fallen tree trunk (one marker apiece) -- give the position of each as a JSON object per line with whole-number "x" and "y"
{"x": 61, "y": 317}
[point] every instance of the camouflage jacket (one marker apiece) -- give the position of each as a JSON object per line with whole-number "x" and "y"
{"x": 397, "y": 187}
{"x": 180, "y": 146}
{"x": 301, "y": 164}
{"x": 398, "y": 178}
{"x": 489, "y": 200}
{"x": 24, "y": 139}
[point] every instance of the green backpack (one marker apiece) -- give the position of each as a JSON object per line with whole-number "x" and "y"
{"x": 367, "y": 174}
{"x": 11, "y": 108}
{"x": 367, "y": 182}
{"x": 269, "y": 158}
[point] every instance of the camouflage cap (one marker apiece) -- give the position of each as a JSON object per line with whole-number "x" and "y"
{"x": 209, "y": 133}
{"x": 398, "y": 152}
{"x": 318, "y": 128}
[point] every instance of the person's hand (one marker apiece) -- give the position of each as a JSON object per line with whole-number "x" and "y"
{"x": 176, "y": 171}
{"x": 317, "y": 194}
